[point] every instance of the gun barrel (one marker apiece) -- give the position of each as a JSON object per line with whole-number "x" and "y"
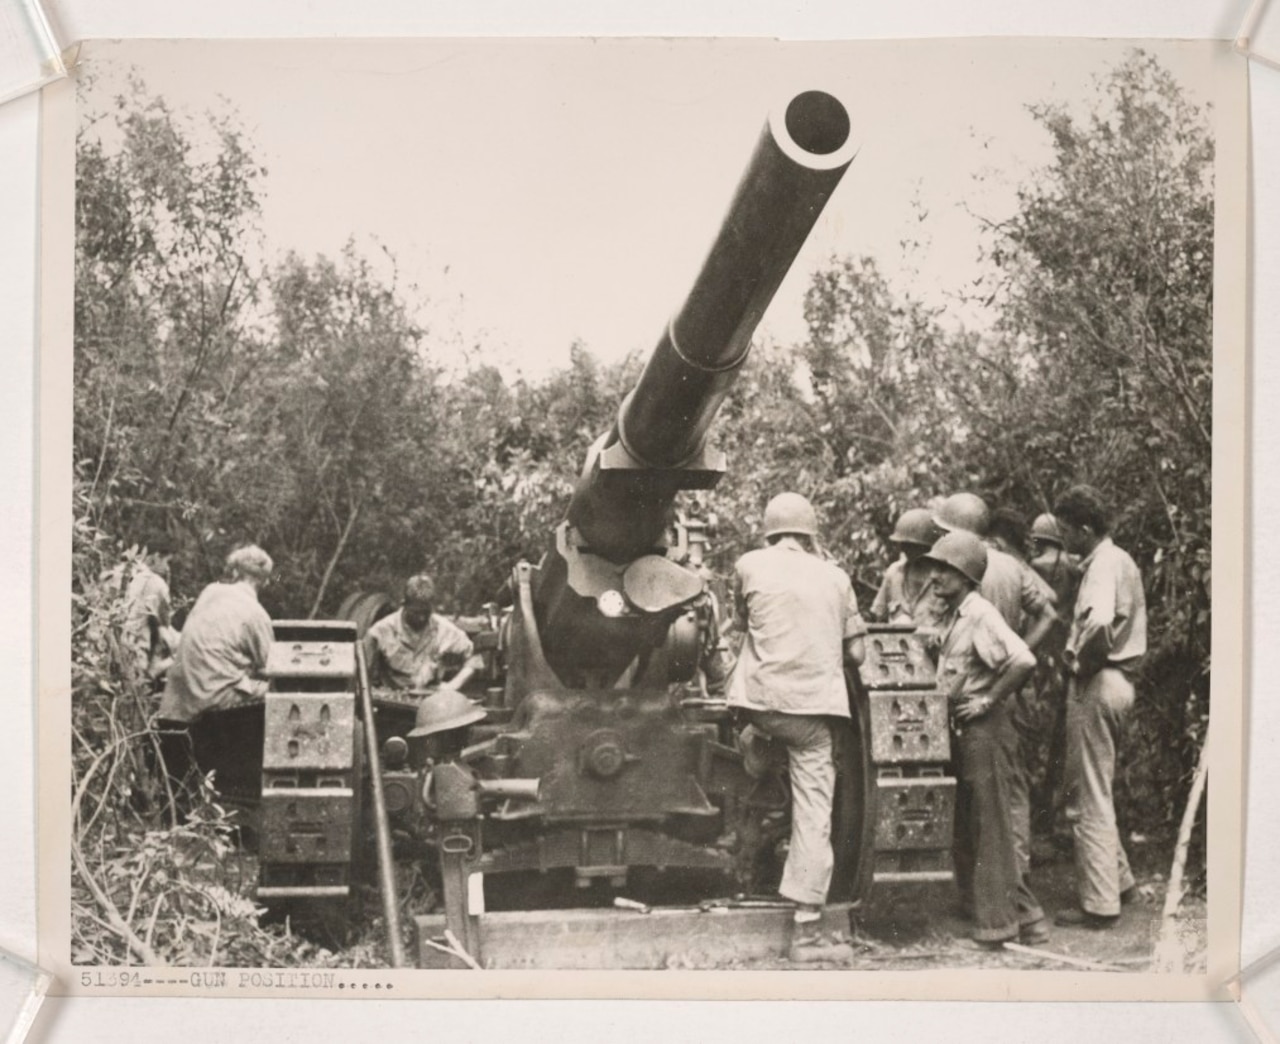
{"x": 657, "y": 445}
{"x": 801, "y": 155}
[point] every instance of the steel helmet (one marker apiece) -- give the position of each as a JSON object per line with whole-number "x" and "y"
{"x": 963, "y": 552}
{"x": 790, "y": 513}
{"x": 916, "y": 526}
{"x": 965, "y": 511}
{"x": 1046, "y": 528}
{"x": 445, "y": 709}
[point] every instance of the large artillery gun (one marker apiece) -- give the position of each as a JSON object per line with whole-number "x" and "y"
{"x": 604, "y": 768}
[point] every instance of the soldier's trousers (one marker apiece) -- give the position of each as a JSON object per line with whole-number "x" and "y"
{"x": 177, "y": 763}
{"x": 810, "y": 860}
{"x": 986, "y": 861}
{"x": 1096, "y": 707}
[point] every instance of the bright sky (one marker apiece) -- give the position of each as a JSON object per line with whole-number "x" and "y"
{"x": 538, "y": 192}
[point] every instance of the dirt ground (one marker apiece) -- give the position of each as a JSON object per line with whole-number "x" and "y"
{"x": 918, "y": 927}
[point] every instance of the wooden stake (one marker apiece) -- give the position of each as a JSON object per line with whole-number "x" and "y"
{"x": 1168, "y": 954}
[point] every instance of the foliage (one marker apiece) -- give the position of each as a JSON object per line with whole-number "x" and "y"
{"x": 1105, "y": 275}
{"x": 146, "y": 888}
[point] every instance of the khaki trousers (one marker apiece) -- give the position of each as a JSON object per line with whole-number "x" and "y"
{"x": 991, "y": 883}
{"x": 807, "y": 875}
{"x": 1096, "y": 707}
{"x": 1020, "y": 781}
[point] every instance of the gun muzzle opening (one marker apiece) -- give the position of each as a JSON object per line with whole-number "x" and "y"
{"x": 817, "y": 122}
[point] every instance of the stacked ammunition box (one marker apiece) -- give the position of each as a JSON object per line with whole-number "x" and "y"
{"x": 311, "y": 762}
{"x": 910, "y": 749}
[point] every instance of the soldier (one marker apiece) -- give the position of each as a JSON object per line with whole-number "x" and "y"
{"x": 1026, "y": 603}
{"x": 414, "y": 646}
{"x": 981, "y": 665}
{"x": 906, "y": 594}
{"x": 225, "y": 642}
{"x": 1104, "y": 650}
{"x": 441, "y": 723}
{"x": 220, "y": 659}
{"x": 1060, "y": 570}
{"x": 1054, "y": 564}
{"x": 800, "y": 619}
{"x": 1008, "y": 532}
{"x": 1023, "y": 599}
{"x": 148, "y": 626}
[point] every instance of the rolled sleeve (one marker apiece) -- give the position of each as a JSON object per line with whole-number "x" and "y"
{"x": 997, "y": 645}
{"x": 1035, "y": 594}
{"x": 1095, "y": 619}
{"x": 880, "y": 605}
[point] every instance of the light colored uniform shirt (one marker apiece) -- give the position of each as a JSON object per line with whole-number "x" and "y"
{"x": 1109, "y": 625}
{"x": 800, "y": 610}
{"x": 406, "y": 659}
{"x": 224, "y": 645}
{"x": 978, "y": 647}
{"x": 896, "y": 603}
{"x": 1014, "y": 588}
{"x": 147, "y": 596}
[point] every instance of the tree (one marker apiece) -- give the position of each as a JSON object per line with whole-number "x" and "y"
{"x": 165, "y": 295}
{"x": 350, "y": 399}
{"x": 1105, "y": 275}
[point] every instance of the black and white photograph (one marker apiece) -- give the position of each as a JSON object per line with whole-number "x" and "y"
{"x": 569, "y": 506}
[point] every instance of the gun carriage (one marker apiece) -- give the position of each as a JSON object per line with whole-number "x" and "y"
{"x": 602, "y": 763}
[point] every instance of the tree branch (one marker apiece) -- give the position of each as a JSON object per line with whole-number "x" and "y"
{"x": 333, "y": 560}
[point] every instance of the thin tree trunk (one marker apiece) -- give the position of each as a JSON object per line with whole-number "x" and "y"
{"x": 333, "y": 559}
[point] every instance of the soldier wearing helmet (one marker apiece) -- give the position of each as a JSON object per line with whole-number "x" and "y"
{"x": 906, "y": 594}
{"x": 981, "y": 664}
{"x": 1060, "y": 569}
{"x": 1024, "y": 600}
{"x": 1054, "y": 563}
{"x": 441, "y": 721}
{"x": 800, "y": 621}
{"x": 1027, "y": 604}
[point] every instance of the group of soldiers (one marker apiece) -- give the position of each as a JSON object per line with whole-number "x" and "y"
{"x": 994, "y": 603}
{"x": 219, "y": 658}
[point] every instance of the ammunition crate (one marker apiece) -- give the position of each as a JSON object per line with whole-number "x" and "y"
{"x": 896, "y": 659}
{"x": 914, "y": 812}
{"x": 324, "y": 659}
{"x": 307, "y": 825}
{"x": 909, "y": 727}
{"x": 912, "y": 866}
{"x": 309, "y": 731}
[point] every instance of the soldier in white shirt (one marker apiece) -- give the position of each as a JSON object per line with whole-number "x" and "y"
{"x": 1104, "y": 650}
{"x": 415, "y": 647}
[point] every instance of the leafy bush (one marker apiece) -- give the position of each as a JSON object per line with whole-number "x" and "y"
{"x": 145, "y": 887}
